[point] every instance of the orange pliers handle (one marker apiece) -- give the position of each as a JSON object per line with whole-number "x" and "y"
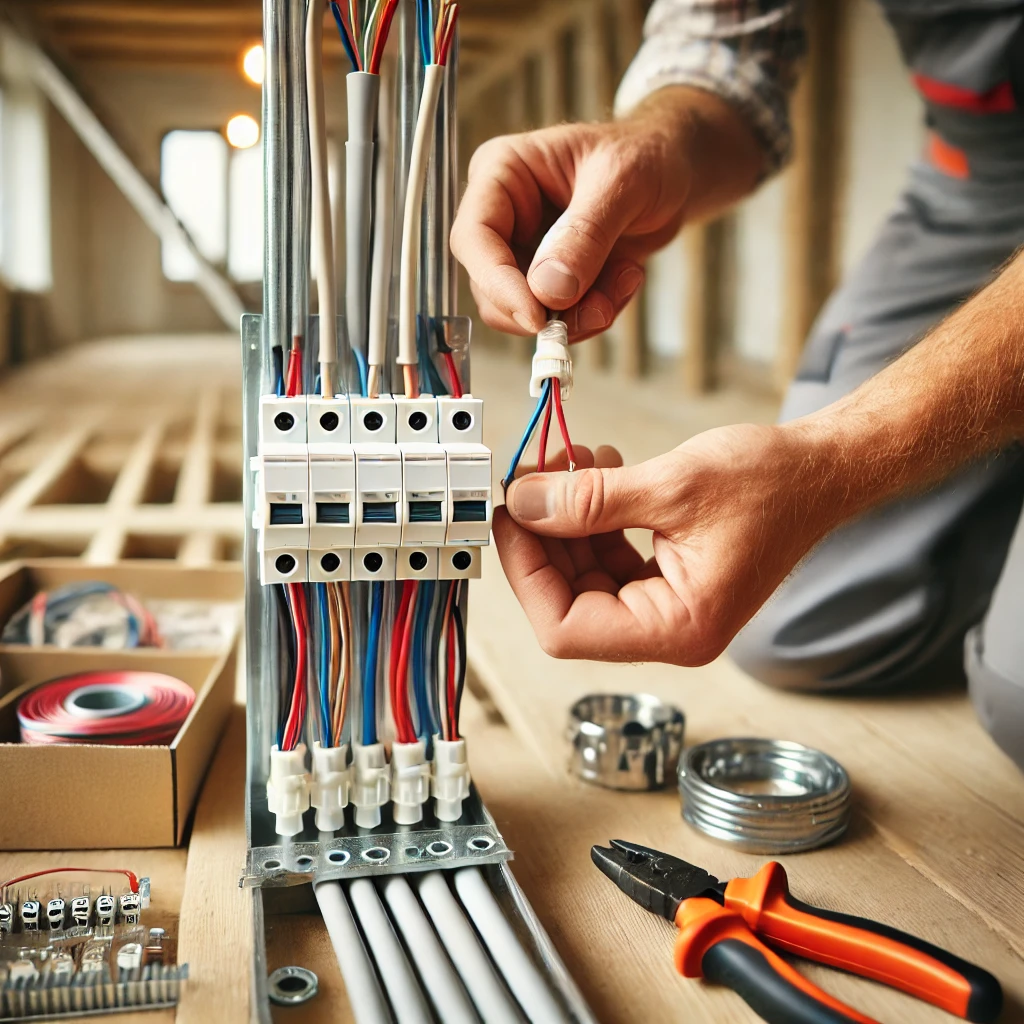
{"x": 763, "y": 907}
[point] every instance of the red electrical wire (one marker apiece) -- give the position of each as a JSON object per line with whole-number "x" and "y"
{"x": 453, "y": 725}
{"x": 46, "y": 716}
{"x": 133, "y": 881}
{"x": 380, "y": 40}
{"x": 542, "y": 444}
{"x": 557, "y": 392}
{"x": 403, "y": 665}
{"x": 297, "y": 708}
{"x": 293, "y": 379}
{"x": 451, "y": 17}
{"x": 399, "y": 702}
{"x": 453, "y": 372}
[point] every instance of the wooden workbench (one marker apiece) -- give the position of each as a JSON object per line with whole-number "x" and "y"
{"x": 936, "y": 846}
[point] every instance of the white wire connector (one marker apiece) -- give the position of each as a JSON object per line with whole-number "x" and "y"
{"x": 329, "y": 791}
{"x": 288, "y": 788}
{"x": 552, "y": 359}
{"x": 450, "y": 781}
{"x": 371, "y": 784}
{"x": 410, "y": 781}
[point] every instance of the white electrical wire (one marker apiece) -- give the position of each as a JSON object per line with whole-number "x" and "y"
{"x": 492, "y": 1000}
{"x": 364, "y": 994}
{"x": 363, "y": 90}
{"x": 383, "y": 231}
{"x": 423, "y": 140}
{"x": 446, "y": 991}
{"x": 520, "y": 972}
{"x": 403, "y": 989}
{"x": 323, "y": 243}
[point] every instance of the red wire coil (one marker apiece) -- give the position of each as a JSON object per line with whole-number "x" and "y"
{"x": 156, "y": 706}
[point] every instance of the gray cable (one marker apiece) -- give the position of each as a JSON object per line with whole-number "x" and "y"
{"x": 520, "y": 972}
{"x": 492, "y": 1001}
{"x": 403, "y": 989}
{"x": 439, "y": 977}
{"x": 362, "y": 96}
{"x": 364, "y": 994}
{"x": 383, "y": 231}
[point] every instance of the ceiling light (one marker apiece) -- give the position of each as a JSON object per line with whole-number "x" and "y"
{"x": 243, "y": 131}
{"x": 252, "y": 64}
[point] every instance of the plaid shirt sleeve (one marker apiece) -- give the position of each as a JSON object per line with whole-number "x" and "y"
{"x": 746, "y": 51}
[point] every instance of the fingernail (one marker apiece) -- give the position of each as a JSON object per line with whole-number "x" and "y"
{"x": 524, "y": 321}
{"x": 555, "y": 279}
{"x": 532, "y": 500}
{"x": 592, "y": 319}
{"x": 628, "y": 282}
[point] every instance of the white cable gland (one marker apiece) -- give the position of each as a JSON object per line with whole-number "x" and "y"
{"x": 288, "y": 788}
{"x": 410, "y": 781}
{"x": 371, "y": 783}
{"x": 450, "y": 782}
{"x": 330, "y": 788}
{"x": 552, "y": 359}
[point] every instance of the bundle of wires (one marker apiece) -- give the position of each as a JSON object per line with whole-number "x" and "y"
{"x": 550, "y": 400}
{"x": 89, "y": 614}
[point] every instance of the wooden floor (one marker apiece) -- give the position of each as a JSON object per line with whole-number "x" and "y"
{"x": 937, "y": 842}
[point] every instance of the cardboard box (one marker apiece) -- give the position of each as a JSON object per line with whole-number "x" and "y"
{"x": 86, "y": 796}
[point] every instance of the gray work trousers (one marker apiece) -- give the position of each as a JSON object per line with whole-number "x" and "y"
{"x": 921, "y": 589}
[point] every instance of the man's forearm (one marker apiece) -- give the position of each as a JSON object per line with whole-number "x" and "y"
{"x": 956, "y": 396}
{"x": 725, "y": 158}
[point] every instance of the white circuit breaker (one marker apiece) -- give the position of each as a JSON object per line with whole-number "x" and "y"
{"x": 353, "y": 488}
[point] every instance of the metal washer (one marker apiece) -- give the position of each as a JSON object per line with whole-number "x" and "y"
{"x": 763, "y": 795}
{"x": 291, "y": 986}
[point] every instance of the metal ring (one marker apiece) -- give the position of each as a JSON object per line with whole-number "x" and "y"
{"x": 625, "y": 741}
{"x": 290, "y": 986}
{"x": 764, "y": 796}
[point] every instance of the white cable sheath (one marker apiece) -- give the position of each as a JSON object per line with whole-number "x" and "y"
{"x": 364, "y": 994}
{"x": 492, "y": 1001}
{"x": 323, "y": 243}
{"x": 423, "y": 141}
{"x": 403, "y": 989}
{"x": 383, "y": 230}
{"x": 521, "y": 974}
{"x": 446, "y": 991}
{"x": 362, "y": 96}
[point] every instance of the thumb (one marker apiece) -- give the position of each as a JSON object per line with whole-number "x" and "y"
{"x": 573, "y": 251}
{"x": 589, "y": 501}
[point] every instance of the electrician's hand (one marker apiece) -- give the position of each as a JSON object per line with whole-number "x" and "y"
{"x": 732, "y": 511}
{"x": 564, "y": 218}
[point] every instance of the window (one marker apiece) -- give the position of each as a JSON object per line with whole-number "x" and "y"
{"x": 217, "y": 194}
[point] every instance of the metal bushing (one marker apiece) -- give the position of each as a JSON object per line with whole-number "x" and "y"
{"x": 625, "y": 741}
{"x": 764, "y": 796}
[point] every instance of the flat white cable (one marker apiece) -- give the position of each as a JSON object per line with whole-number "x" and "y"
{"x": 383, "y": 232}
{"x": 442, "y": 983}
{"x": 403, "y": 989}
{"x": 489, "y": 995}
{"x": 520, "y": 972}
{"x": 323, "y": 243}
{"x": 363, "y": 91}
{"x": 423, "y": 140}
{"x": 364, "y": 994}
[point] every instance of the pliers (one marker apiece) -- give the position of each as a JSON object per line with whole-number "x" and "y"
{"x": 721, "y": 925}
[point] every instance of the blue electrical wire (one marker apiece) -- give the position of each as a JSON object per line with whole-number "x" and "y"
{"x": 361, "y": 366}
{"x": 421, "y": 20}
{"x": 427, "y": 726}
{"x": 370, "y": 665}
{"x": 530, "y": 428}
{"x": 336, "y": 11}
{"x": 325, "y": 665}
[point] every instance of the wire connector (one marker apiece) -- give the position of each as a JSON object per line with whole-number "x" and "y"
{"x": 410, "y": 781}
{"x": 371, "y": 783}
{"x": 329, "y": 791}
{"x": 449, "y": 783}
{"x": 288, "y": 788}
{"x": 552, "y": 359}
